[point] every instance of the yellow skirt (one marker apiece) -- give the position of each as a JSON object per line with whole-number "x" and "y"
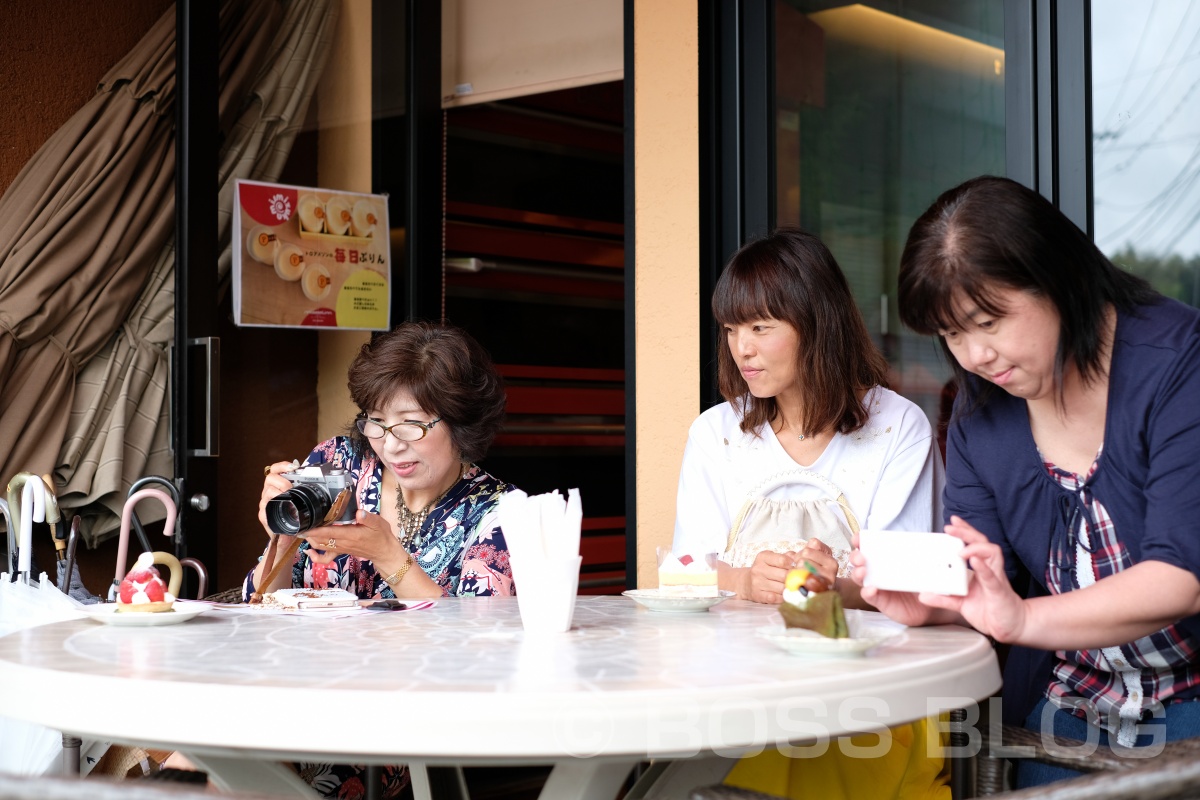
{"x": 909, "y": 770}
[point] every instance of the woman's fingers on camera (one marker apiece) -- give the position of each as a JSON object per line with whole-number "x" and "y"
{"x": 273, "y": 481}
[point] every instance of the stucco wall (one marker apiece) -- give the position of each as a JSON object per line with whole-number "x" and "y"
{"x": 52, "y": 56}
{"x": 344, "y": 160}
{"x": 666, "y": 294}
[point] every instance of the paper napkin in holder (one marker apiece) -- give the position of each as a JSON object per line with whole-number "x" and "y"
{"x": 542, "y": 533}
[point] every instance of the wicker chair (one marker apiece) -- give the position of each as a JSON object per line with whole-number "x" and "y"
{"x": 1016, "y": 743}
{"x": 1172, "y": 775}
{"x": 233, "y": 595}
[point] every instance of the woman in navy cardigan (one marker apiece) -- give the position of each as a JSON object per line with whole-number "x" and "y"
{"x": 1073, "y": 467}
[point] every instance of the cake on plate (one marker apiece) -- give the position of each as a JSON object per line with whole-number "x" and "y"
{"x": 687, "y": 575}
{"x": 143, "y": 589}
{"x": 810, "y": 601}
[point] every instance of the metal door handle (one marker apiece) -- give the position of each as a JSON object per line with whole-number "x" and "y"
{"x": 212, "y": 395}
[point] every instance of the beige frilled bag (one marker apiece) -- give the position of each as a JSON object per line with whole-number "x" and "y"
{"x": 785, "y": 522}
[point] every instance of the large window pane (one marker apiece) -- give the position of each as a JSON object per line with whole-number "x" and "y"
{"x": 1146, "y": 140}
{"x": 880, "y": 107}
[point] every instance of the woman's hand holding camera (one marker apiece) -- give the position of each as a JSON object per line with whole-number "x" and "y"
{"x": 369, "y": 537}
{"x": 273, "y": 484}
{"x": 327, "y": 494}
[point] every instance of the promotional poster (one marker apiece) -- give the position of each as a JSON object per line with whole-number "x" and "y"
{"x": 305, "y": 257}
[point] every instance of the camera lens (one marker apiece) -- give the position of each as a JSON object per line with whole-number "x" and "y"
{"x": 298, "y": 509}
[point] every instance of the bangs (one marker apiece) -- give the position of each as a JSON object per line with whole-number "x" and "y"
{"x": 749, "y": 292}
{"x": 938, "y": 299}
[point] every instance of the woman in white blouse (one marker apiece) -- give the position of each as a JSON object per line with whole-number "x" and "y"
{"x": 807, "y": 421}
{"x": 809, "y": 446}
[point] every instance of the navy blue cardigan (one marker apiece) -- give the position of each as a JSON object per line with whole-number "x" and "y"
{"x": 1148, "y": 477}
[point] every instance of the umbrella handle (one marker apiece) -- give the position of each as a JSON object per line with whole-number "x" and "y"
{"x": 12, "y": 535}
{"x": 126, "y": 516}
{"x": 142, "y": 483}
{"x": 30, "y": 506}
{"x": 171, "y": 563}
{"x": 16, "y": 515}
{"x": 53, "y": 517}
{"x": 69, "y": 566}
{"x": 201, "y": 576}
{"x": 168, "y": 487}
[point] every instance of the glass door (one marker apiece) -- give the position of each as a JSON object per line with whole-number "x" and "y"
{"x": 878, "y": 108}
{"x": 1146, "y": 140}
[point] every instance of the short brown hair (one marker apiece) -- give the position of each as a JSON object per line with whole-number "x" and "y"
{"x": 448, "y": 373}
{"x": 791, "y": 276}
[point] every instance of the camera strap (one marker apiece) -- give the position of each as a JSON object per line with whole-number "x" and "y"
{"x": 272, "y": 566}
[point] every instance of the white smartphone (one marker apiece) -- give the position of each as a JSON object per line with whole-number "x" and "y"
{"x": 906, "y": 561}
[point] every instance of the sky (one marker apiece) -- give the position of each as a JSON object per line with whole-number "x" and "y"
{"x": 1146, "y": 125}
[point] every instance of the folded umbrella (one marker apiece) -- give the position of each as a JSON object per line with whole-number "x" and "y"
{"x": 29, "y": 749}
{"x": 73, "y": 586}
{"x": 271, "y": 60}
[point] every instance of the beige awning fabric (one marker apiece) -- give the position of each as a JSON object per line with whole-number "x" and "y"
{"x": 113, "y": 433}
{"x": 80, "y": 227}
{"x": 119, "y": 424}
{"x": 259, "y": 145}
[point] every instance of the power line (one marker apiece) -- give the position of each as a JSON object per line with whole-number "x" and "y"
{"x": 1191, "y": 137}
{"x": 1184, "y": 229}
{"x": 1137, "y": 51}
{"x": 1177, "y": 186}
{"x": 1133, "y": 116}
{"x": 1137, "y": 151}
{"x": 1130, "y": 76}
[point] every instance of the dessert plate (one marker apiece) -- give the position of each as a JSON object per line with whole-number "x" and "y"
{"x": 181, "y": 612}
{"x": 865, "y": 633}
{"x": 653, "y": 600}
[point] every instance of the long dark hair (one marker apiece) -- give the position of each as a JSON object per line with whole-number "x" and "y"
{"x": 448, "y": 373}
{"x": 991, "y": 233}
{"x": 791, "y": 276}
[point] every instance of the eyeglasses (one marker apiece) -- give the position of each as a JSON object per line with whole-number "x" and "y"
{"x": 407, "y": 431}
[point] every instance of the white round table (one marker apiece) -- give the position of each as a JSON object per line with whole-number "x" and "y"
{"x": 462, "y": 683}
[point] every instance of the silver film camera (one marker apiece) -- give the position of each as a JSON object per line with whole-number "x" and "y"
{"x": 315, "y": 491}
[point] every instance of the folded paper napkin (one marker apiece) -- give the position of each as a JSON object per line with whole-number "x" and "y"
{"x": 544, "y": 526}
{"x": 542, "y": 533}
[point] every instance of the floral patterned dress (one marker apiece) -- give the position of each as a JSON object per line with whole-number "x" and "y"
{"x": 460, "y": 546}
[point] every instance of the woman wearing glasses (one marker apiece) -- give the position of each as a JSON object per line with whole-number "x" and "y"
{"x": 431, "y": 403}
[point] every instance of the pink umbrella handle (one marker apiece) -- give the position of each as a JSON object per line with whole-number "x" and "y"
{"x": 201, "y": 576}
{"x": 127, "y": 519}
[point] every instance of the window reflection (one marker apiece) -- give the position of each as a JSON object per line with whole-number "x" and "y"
{"x": 1146, "y": 140}
{"x": 879, "y": 108}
